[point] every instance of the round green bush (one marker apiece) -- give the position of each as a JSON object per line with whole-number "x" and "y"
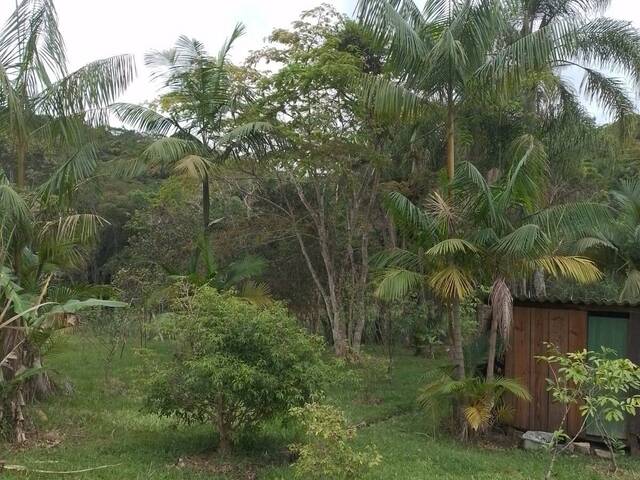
{"x": 238, "y": 364}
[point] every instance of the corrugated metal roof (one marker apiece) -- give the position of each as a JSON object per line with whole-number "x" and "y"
{"x": 577, "y": 300}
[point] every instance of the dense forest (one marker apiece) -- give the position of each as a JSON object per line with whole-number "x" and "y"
{"x": 360, "y": 193}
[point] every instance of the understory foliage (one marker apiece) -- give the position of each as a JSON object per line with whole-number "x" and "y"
{"x": 328, "y": 452}
{"x": 481, "y": 400}
{"x": 237, "y": 364}
{"x": 601, "y": 386}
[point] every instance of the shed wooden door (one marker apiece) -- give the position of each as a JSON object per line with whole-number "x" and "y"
{"x": 532, "y": 329}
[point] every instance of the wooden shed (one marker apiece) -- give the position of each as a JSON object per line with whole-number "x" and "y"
{"x": 571, "y": 325}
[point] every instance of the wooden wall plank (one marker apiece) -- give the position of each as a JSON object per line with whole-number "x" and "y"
{"x": 522, "y": 361}
{"x": 539, "y": 405}
{"x": 558, "y": 336}
{"x": 577, "y": 342}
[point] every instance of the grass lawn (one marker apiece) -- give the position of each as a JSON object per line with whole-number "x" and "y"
{"x": 101, "y": 424}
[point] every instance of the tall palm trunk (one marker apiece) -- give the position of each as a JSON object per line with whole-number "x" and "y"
{"x": 21, "y": 155}
{"x": 451, "y": 139}
{"x": 457, "y": 354}
{"x": 455, "y": 320}
{"x": 491, "y": 354}
{"x": 206, "y": 209}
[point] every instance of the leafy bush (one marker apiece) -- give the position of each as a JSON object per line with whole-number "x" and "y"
{"x": 601, "y": 386}
{"x": 328, "y": 452}
{"x": 238, "y": 364}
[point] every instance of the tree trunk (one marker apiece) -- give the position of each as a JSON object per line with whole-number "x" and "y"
{"x": 362, "y": 293}
{"x": 21, "y": 155}
{"x": 539, "y": 284}
{"x": 223, "y": 427}
{"x": 493, "y": 340}
{"x": 334, "y": 305}
{"x": 12, "y": 352}
{"x": 40, "y": 385}
{"x": 457, "y": 353}
{"x": 206, "y": 207}
{"x": 451, "y": 139}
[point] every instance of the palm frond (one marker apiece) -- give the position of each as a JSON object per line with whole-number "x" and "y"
{"x": 238, "y": 31}
{"x": 527, "y": 176}
{"x": 193, "y": 166}
{"x": 501, "y": 302}
{"x": 580, "y": 269}
{"x": 451, "y": 283}
{"x": 256, "y": 293}
{"x": 388, "y": 98}
{"x": 573, "y": 219}
{"x": 396, "y": 24}
{"x": 79, "y": 168}
{"x": 75, "y": 228}
{"x": 144, "y": 119}
{"x": 398, "y": 257}
{"x": 169, "y": 150}
{"x": 15, "y": 214}
{"x": 406, "y": 214}
{"x": 608, "y": 92}
{"x": 631, "y": 288}
{"x": 524, "y": 242}
{"x": 89, "y": 89}
{"x": 396, "y": 283}
{"x": 452, "y": 246}
{"x": 247, "y": 267}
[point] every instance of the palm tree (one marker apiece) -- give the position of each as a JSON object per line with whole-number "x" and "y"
{"x": 619, "y": 239}
{"x": 196, "y": 124}
{"x": 481, "y": 399}
{"x": 573, "y": 34}
{"x": 435, "y": 55}
{"x": 40, "y": 100}
{"x": 498, "y": 233}
{"x": 440, "y": 259}
{"x": 451, "y": 52}
{"x": 516, "y": 235}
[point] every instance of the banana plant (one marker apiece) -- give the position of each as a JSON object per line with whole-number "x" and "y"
{"x": 28, "y": 322}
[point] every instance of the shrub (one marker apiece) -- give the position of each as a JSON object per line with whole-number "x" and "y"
{"x": 479, "y": 401}
{"x": 603, "y": 388}
{"x": 328, "y": 453}
{"x": 238, "y": 364}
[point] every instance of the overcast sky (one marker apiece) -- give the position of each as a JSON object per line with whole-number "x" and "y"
{"x": 100, "y": 28}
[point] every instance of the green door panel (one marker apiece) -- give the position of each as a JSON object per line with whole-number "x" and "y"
{"x": 610, "y": 332}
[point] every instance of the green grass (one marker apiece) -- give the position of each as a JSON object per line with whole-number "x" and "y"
{"x": 102, "y": 424}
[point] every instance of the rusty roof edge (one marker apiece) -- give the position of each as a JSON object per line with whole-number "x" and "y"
{"x": 570, "y": 300}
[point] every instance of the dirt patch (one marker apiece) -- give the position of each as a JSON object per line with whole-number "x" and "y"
{"x": 215, "y": 465}
{"x": 38, "y": 439}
